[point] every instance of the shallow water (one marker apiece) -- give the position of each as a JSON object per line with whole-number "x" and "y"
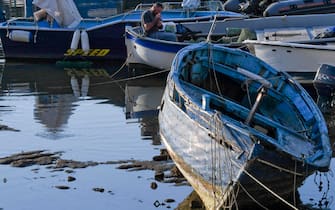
{"x": 95, "y": 114}
{"x": 38, "y": 100}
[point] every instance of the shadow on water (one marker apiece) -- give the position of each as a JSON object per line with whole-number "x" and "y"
{"x": 57, "y": 89}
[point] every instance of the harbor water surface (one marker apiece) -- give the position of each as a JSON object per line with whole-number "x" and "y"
{"x": 98, "y": 115}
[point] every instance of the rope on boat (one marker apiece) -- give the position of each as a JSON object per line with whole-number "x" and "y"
{"x": 269, "y": 190}
{"x": 213, "y": 160}
{"x": 294, "y": 182}
{"x": 211, "y": 29}
{"x": 121, "y": 80}
{"x": 251, "y": 197}
{"x": 232, "y": 200}
{"x": 132, "y": 78}
{"x": 214, "y": 72}
{"x": 117, "y": 71}
{"x": 35, "y": 34}
{"x": 280, "y": 168}
{"x": 265, "y": 187}
{"x": 7, "y": 27}
{"x": 218, "y": 167}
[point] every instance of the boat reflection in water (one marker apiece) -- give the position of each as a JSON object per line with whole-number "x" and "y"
{"x": 57, "y": 89}
{"x": 142, "y": 99}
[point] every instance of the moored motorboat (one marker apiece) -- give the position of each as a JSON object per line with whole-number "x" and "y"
{"x": 297, "y": 58}
{"x": 152, "y": 52}
{"x": 241, "y": 132}
{"x": 92, "y": 39}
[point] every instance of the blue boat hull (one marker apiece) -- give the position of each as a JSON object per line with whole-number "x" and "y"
{"x": 195, "y": 152}
{"x": 106, "y": 35}
{"x": 106, "y": 43}
{"x": 233, "y": 125}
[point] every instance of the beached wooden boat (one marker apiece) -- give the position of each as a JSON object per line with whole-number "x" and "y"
{"x": 241, "y": 132}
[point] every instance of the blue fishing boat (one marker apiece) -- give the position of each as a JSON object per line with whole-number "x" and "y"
{"x": 241, "y": 132}
{"x": 58, "y": 31}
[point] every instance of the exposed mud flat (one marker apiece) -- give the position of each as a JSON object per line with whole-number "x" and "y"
{"x": 6, "y": 128}
{"x": 165, "y": 170}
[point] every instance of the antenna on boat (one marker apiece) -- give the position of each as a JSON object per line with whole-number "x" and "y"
{"x": 211, "y": 29}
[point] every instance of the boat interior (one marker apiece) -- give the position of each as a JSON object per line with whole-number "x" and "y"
{"x": 248, "y": 98}
{"x": 233, "y": 36}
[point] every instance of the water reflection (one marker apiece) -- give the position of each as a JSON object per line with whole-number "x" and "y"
{"x": 2, "y": 68}
{"x": 142, "y": 99}
{"x": 57, "y": 89}
{"x": 326, "y": 102}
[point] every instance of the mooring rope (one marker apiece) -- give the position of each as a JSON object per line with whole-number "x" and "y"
{"x": 132, "y": 78}
{"x": 265, "y": 187}
{"x": 213, "y": 160}
{"x": 222, "y": 165}
{"x": 280, "y": 168}
{"x": 119, "y": 80}
{"x": 294, "y": 182}
{"x": 251, "y": 197}
{"x": 117, "y": 71}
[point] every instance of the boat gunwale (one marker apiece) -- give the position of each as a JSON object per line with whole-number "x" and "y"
{"x": 294, "y": 45}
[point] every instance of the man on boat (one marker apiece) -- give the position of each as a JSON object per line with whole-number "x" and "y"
{"x": 152, "y": 22}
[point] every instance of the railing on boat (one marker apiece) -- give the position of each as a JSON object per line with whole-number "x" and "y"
{"x": 204, "y": 6}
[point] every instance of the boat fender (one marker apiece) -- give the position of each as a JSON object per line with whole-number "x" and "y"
{"x": 20, "y": 36}
{"x": 85, "y": 43}
{"x": 75, "y": 39}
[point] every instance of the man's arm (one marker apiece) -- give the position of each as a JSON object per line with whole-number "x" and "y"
{"x": 155, "y": 22}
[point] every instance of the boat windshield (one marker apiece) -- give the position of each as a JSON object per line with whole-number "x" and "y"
{"x": 65, "y": 13}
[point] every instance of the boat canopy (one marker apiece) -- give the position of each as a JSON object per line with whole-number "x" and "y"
{"x": 191, "y": 4}
{"x": 64, "y": 12}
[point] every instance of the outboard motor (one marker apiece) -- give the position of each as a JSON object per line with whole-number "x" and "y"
{"x": 324, "y": 83}
{"x": 2, "y": 16}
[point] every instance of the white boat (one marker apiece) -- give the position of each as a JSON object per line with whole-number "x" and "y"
{"x": 293, "y": 28}
{"x": 160, "y": 53}
{"x": 296, "y": 58}
{"x": 148, "y": 51}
